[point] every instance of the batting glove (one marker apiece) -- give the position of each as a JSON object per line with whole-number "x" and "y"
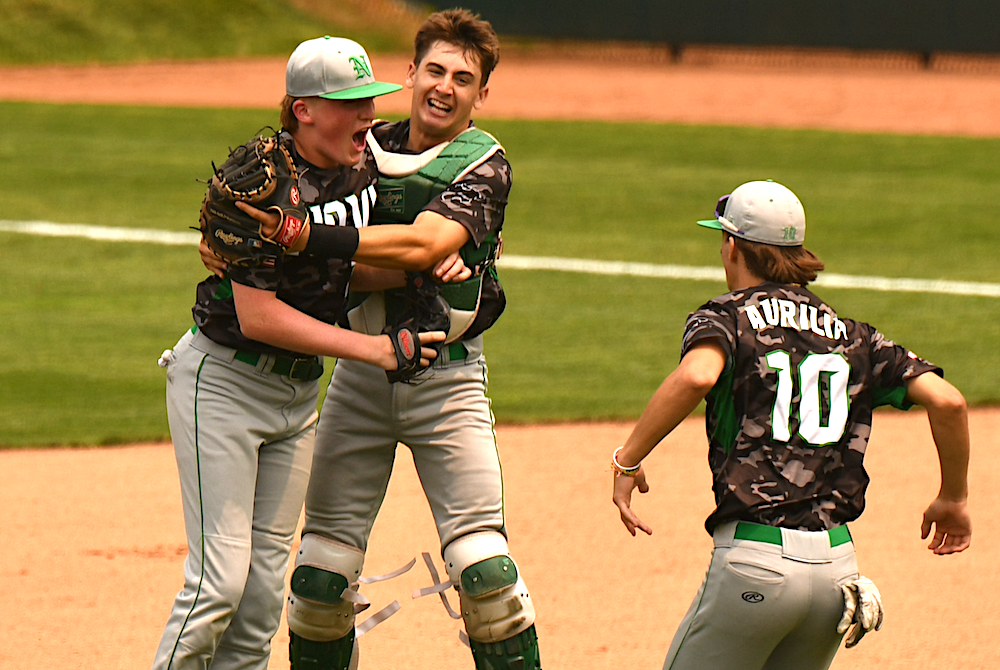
{"x": 862, "y": 607}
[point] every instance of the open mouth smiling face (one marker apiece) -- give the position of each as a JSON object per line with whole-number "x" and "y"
{"x": 345, "y": 128}
{"x": 446, "y": 90}
{"x": 439, "y": 107}
{"x": 358, "y": 139}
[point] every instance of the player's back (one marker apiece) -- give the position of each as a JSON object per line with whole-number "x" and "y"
{"x": 790, "y": 418}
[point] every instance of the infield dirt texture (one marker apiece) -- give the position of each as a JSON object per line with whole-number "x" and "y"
{"x": 93, "y": 539}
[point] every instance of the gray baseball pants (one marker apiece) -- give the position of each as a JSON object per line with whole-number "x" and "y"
{"x": 243, "y": 439}
{"x": 446, "y": 421}
{"x": 766, "y": 606}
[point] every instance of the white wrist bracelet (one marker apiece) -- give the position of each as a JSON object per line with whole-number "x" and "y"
{"x": 621, "y": 469}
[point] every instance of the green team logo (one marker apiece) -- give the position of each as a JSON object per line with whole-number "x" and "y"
{"x": 360, "y": 67}
{"x": 789, "y": 234}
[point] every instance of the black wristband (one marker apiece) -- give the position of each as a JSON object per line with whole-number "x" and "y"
{"x": 332, "y": 242}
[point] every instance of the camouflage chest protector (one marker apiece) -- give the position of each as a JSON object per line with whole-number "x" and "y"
{"x": 407, "y": 183}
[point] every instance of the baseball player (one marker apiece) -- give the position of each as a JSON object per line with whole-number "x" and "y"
{"x": 790, "y": 387}
{"x": 241, "y": 384}
{"x": 449, "y": 180}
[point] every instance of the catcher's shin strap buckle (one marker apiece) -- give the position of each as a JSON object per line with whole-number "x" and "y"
{"x": 300, "y": 369}
{"x": 772, "y": 535}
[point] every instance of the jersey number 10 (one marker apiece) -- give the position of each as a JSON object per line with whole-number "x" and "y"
{"x": 824, "y": 403}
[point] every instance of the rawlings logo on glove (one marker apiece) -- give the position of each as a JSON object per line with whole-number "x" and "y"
{"x": 260, "y": 173}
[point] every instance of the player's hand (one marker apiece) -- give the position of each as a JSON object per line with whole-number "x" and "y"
{"x": 952, "y": 526}
{"x": 451, "y": 268}
{"x": 269, "y": 222}
{"x": 387, "y": 355}
{"x": 622, "y": 498}
{"x": 213, "y": 262}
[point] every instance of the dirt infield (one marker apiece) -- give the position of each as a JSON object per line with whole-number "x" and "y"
{"x": 832, "y": 90}
{"x": 93, "y": 539}
{"x": 94, "y": 543}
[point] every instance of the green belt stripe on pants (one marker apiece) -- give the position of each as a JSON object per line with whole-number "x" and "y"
{"x": 772, "y": 535}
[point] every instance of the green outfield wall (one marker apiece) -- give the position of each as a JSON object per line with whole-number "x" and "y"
{"x": 925, "y": 26}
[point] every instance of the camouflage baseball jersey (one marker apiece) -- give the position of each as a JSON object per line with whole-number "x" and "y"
{"x": 316, "y": 286}
{"x": 789, "y": 419}
{"x": 477, "y": 201}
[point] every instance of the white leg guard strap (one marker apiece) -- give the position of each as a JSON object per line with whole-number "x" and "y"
{"x": 495, "y": 602}
{"x": 324, "y": 589}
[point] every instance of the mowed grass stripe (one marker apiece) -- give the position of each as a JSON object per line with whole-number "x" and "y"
{"x": 514, "y": 262}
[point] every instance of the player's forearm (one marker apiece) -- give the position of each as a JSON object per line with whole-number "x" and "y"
{"x": 266, "y": 319}
{"x": 950, "y": 428}
{"x": 399, "y": 247}
{"x": 417, "y": 246}
{"x": 677, "y": 397}
{"x": 402, "y": 247}
{"x": 390, "y": 246}
{"x": 948, "y": 415}
{"x": 668, "y": 407}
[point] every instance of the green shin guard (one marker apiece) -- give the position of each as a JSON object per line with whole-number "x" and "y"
{"x": 308, "y": 655}
{"x": 516, "y": 653}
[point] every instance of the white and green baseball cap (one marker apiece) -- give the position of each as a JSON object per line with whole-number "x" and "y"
{"x": 761, "y": 211}
{"x": 334, "y": 68}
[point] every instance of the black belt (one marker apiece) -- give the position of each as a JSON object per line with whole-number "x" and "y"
{"x": 301, "y": 369}
{"x": 305, "y": 369}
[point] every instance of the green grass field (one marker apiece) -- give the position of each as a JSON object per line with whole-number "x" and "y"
{"x": 115, "y": 31}
{"x": 84, "y": 321}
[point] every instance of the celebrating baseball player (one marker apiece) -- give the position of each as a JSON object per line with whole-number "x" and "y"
{"x": 790, "y": 387}
{"x": 449, "y": 181}
{"x": 242, "y": 383}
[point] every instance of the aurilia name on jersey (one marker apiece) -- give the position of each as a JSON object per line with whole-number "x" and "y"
{"x": 780, "y": 313}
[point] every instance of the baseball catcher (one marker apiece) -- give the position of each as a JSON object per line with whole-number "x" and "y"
{"x": 260, "y": 173}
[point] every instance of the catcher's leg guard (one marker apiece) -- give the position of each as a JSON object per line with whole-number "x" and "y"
{"x": 320, "y": 611}
{"x": 498, "y": 613}
{"x": 335, "y": 655}
{"x": 515, "y": 653}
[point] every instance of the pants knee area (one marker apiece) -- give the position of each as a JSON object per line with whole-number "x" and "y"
{"x": 325, "y": 570}
{"x": 495, "y": 602}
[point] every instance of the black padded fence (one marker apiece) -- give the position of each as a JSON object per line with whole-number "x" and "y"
{"x": 923, "y": 26}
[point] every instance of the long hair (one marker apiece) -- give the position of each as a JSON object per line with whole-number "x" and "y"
{"x": 463, "y": 29}
{"x": 784, "y": 265}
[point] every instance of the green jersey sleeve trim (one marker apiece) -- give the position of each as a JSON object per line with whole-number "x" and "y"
{"x": 896, "y": 397}
{"x": 724, "y": 410}
{"x": 224, "y": 291}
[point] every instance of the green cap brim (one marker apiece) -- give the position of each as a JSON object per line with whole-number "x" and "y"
{"x": 711, "y": 223}
{"x": 372, "y": 90}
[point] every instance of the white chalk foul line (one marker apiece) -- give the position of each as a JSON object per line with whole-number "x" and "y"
{"x": 105, "y": 233}
{"x": 716, "y": 274}
{"x": 114, "y": 234}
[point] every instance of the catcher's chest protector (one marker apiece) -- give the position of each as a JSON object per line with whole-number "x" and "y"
{"x": 408, "y": 182}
